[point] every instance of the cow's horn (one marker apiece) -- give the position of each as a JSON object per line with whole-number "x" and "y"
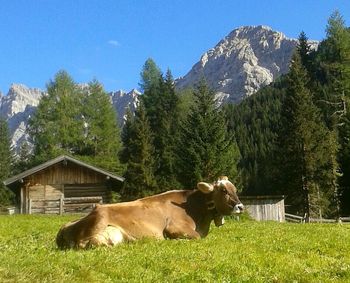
{"x": 205, "y": 187}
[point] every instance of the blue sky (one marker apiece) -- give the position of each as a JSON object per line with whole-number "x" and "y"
{"x": 111, "y": 39}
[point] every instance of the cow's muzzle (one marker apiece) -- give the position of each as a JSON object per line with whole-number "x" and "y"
{"x": 238, "y": 208}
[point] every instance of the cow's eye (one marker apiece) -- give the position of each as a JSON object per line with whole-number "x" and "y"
{"x": 224, "y": 190}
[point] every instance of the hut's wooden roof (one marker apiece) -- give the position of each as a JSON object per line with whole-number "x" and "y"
{"x": 62, "y": 158}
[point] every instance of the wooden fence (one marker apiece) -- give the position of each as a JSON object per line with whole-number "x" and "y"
{"x": 7, "y": 210}
{"x": 300, "y": 219}
{"x": 63, "y": 205}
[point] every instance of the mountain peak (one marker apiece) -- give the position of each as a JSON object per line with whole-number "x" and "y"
{"x": 135, "y": 91}
{"x": 247, "y": 59}
{"x": 17, "y": 99}
{"x": 247, "y": 29}
{"x": 23, "y": 90}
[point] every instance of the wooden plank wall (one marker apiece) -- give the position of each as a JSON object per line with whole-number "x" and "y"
{"x": 44, "y": 193}
{"x": 87, "y": 190}
{"x": 66, "y": 174}
{"x": 262, "y": 209}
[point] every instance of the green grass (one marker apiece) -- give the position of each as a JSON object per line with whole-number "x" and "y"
{"x": 244, "y": 251}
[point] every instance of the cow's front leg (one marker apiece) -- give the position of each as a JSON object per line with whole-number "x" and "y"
{"x": 181, "y": 231}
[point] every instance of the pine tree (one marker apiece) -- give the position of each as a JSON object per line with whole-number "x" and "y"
{"x": 102, "y": 142}
{"x": 162, "y": 111}
{"x": 150, "y": 76}
{"x": 333, "y": 60}
{"x": 304, "y": 50}
{"x": 151, "y": 84}
{"x": 333, "y": 72}
{"x": 167, "y": 133}
{"x": 306, "y": 147}
{"x": 57, "y": 126}
{"x": 6, "y": 161}
{"x": 138, "y": 154}
{"x": 205, "y": 150}
{"x": 127, "y": 137}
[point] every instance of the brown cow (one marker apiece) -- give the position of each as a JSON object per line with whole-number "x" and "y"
{"x": 173, "y": 214}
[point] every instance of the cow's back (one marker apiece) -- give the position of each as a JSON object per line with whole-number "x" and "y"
{"x": 111, "y": 224}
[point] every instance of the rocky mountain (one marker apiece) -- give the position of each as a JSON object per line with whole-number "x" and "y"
{"x": 16, "y": 107}
{"x": 247, "y": 59}
{"x": 122, "y": 100}
{"x": 17, "y": 99}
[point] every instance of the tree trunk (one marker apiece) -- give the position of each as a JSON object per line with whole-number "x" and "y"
{"x": 306, "y": 200}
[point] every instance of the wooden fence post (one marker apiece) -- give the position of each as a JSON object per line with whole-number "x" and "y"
{"x": 30, "y": 206}
{"x": 61, "y": 205}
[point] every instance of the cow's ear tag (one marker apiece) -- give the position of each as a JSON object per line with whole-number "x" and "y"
{"x": 205, "y": 187}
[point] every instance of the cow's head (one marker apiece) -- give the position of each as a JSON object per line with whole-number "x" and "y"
{"x": 223, "y": 196}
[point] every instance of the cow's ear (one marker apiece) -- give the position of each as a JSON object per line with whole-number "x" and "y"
{"x": 205, "y": 187}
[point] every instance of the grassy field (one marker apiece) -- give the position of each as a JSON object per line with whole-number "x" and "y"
{"x": 243, "y": 251}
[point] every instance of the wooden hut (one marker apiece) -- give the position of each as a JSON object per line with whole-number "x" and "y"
{"x": 263, "y": 208}
{"x": 62, "y": 184}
